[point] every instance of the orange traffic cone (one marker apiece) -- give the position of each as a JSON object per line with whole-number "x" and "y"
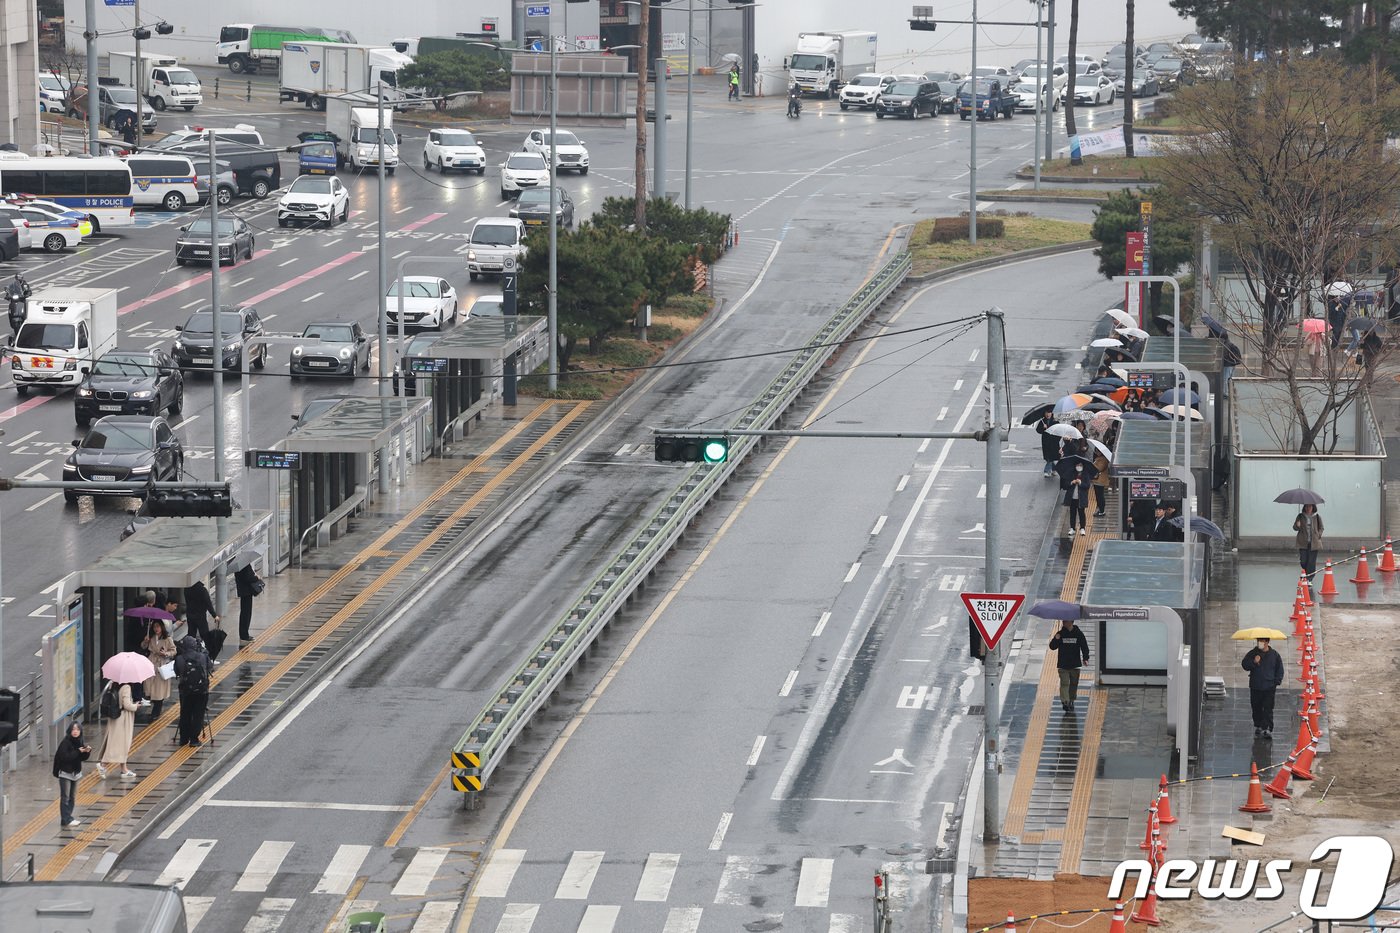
{"x": 1278, "y": 786}
{"x": 1313, "y": 717}
{"x": 1309, "y": 639}
{"x": 1298, "y": 612}
{"x": 1329, "y": 583}
{"x": 1305, "y": 735}
{"x": 1363, "y": 570}
{"x": 1255, "y": 802}
{"x": 1300, "y": 624}
{"x": 1010, "y": 923}
{"x": 1119, "y": 925}
{"x": 1305, "y": 584}
{"x": 1146, "y": 844}
{"x": 1147, "y": 911}
{"x": 1302, "y": 770}
{"x": 1164, "y": 804}
{"x": 1387, "y": 564}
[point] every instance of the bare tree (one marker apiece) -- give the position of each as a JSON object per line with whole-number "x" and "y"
{"x": 1073, "y": 68}
{"x": 1292, "y": 173}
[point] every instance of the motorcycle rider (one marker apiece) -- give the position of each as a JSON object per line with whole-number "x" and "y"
{"x": 794, "y": 99}
{"x": 17, "y": 293}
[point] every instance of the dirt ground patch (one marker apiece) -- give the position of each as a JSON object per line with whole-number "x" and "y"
{"x": 1361, "y": 677}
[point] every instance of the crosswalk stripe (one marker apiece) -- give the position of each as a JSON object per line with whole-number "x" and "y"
{"x": 739, "y": 872}
{"x": 578, "y": 875}
{"x": 660, "y": 871}
{"x": 271, "y": 912}
{"x": 844, "y": 923}
{"x": 518, "y": 918}
{"x": 683, "y": 920}
{"x": 435, "y": 917}
{"x": 195, "y": 909}
{"x": 499, "y": 872}
{"x": 814, "y": 882}
{"x": 185, "y": 862}
{"x": 263, "y": 866}
{"x": 340, "y": 873}
{"x": 420, "y": 873}
{"x": 599, "y": 918}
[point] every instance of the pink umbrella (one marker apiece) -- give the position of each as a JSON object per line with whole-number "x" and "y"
{"x": 128, "y": 667}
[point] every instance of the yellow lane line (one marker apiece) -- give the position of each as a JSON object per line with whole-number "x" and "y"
{"x": 417, "y": 807}
{"x": 253, "y": 693}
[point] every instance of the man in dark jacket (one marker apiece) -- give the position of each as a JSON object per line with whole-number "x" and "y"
{"x": 1049, "y": 443}
{"x": 1265, "y": 668}
{"x": 199, "y": 606}
{"x": 192, "y": 678}
{"x": 248, "y": 584}
{"x": 1072, "y": 653}
{"x": 1141, "y": 518}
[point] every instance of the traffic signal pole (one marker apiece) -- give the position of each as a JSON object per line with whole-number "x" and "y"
{"x": 993, "y": 434}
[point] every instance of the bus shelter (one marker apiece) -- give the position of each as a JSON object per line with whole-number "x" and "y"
{"x": 166, "y": 555}
{"x": 1149, "y": 623}
{"x": 1204, "y": 357}
{"x": 326, "y": 468}
{"x": 1142, "y": 461}
{"x": 463, "y": 370}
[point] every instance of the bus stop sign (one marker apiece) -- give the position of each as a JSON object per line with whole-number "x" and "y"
{"x": 992, "y": 613}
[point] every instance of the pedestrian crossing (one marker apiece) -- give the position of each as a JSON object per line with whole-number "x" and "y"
{"x": 279, "y": 886}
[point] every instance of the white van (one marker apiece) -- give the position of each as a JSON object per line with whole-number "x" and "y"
{"x": 491, "y": 242}
{"x": 164, "y": 181}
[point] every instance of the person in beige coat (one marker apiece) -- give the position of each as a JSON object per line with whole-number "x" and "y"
{"x": 1308, "y": 524}
{"x": 116, "y": 737}
{"x": 160, "y": 648}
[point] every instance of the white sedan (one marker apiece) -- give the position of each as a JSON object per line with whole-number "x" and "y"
{"x": 429, "y": 303}
{"x": 1097, "y": 89}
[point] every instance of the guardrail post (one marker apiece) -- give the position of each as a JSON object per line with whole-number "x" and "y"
{"x": 216, "y": 88}
{"x": 249, "y": 95}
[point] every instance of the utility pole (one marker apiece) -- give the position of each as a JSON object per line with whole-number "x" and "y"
{"x": 216, "y": 359}
{"x": 383, "y": 260}
{"x": 90, "y": 34}
{"x": 1050, "y": 60}
{"x": 972, "y": 163}
{"x": 640, "y": 217}
{"x": 658, "y": 174}
{"x": 553, "y": 306}
{"x": 992, "y": 664}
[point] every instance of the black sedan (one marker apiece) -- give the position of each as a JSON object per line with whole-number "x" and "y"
{"x": 130, "y": 382}
{"x": 123, "y": 449}
{"x": 196, "y": 241}
{"x": 948, "y": 96}
{"x": 533, "y": 207}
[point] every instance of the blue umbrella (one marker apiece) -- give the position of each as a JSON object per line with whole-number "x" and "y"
{"x": 1056, "y": 609}
{"x": 1200, "y": 525}
{"x": 1110, "y": 381}
{"x": 1215, "y": 327}
{"x": 1173, "y": 397}
{"x": 1138, "y": 416}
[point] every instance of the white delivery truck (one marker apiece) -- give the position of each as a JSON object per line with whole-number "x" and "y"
{"x": 159, "y": 78}
{"x": 65, "y": 330}
{"x": 354, "y": 120}
{"x": 824, "y": 61}
{"x": 314, "y": 72}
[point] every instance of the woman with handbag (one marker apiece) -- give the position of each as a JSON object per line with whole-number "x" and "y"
{"x": 249, "y": 585}
{"x": 160, "y": 648}
{"x": 68, "y": 768}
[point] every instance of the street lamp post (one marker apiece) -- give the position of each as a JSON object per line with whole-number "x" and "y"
{"x": 90, "y": 34}
{"x": 383, "y": 250}
{"x": 972, "y": 165}
{"x": 553, "y": 299}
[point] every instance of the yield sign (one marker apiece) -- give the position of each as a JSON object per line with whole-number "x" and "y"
{"x": 992, "y": 613}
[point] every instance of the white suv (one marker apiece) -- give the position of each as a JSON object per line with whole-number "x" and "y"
{"x": 453, "y": 148}
{"x": 573, "y": 154}
{"x": 314, "y": 199}
{"x": 863, "y": 89}
{"x": 523, "y": 170}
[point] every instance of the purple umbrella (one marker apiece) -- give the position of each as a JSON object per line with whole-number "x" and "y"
{"x": 1057, "y": 609}
{"x": 149, "y": 612}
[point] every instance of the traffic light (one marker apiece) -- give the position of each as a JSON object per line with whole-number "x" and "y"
{"x": 923, "y": 25}
{"x": 190, "y": 503}
{"x": 140, "y": 34}
{"x": 673, "y": 448}
{"x": 164, "y": 29}
{"x": 9, "y": 716}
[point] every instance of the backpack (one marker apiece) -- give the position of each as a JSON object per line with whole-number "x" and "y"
{"x": 110, "y": 705}
{"x": 193, "y": 678}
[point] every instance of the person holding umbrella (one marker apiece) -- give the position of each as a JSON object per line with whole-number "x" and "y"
{"x": 1265, "y": 668}
{"x": 1049, "y": 443}
{"x": 1308, "y": 525}
{"x": 1071, "y": 653}
{"x": 160, "y": 648}
{"x": 248, "y": 585}
{"x": 1076, "y": 482}
{"x": 123, "y": 670}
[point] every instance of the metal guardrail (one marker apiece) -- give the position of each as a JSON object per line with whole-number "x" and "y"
{"x": 484, "y": 744}
{"x": 349, "y": 507}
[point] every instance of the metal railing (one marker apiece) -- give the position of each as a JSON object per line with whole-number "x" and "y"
{"x": 347, "y": 508}
{"x": 509, "y": 710}
{"x": 31, "y": 731}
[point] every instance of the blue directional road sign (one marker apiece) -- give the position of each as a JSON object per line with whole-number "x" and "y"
{"x": 120, "y": 2}
{"x": 537, "y": 10}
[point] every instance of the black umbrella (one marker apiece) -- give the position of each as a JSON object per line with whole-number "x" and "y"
{"x": 1299, "y": 497}
{"x": 1034, "y": 415}
{"x": 1215, "y": 327}
{"x": 1174, "y": 395}
{"x": 1165, "y": 323}
{"x": 1200, "y": 525}
{"x": 1112, "y": 381}
{"x": 1139, "y": 416}
{"x": 1065, "y": 467}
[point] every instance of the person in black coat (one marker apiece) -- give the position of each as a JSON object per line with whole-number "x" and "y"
{"x": 1265, "y": 668}
{"x": 1049, "y": 443}
{"x": 248, "y": 584}
{"x": 1076, "y": 485}
{"x": 192, "y": 673}
{"x": 1161, "y": 529}
{"x": 1140, "y": 519}
{"x": 68, "y": 768}
{"x": 1072, "y": 653}
{"x": 199, "y": 606}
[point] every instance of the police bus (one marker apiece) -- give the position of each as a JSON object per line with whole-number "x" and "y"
{"x": 97, "y": 186}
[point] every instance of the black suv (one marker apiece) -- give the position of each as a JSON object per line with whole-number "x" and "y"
{"x": 130, "y": 382}
{"x": 240, "y": 327}
{"x": 256, "y": 171}
{"x": 909, "y": 99}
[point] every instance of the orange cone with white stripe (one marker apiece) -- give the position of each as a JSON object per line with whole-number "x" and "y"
{"x": 1164, "y": 804}
{"x": 1146, "y": 844}
{"x": 1255, "y": 802}
{"x": 1278, "y": 786}
{"x": 1010, "y": 923}
{"x": 1387, "y": 564}
{"x": 1305, "y": 584}
{"x": 1329, "y": 582}
{"x": 1147, "y": 912}
{"x": 1119, "y": 925}
{"x": 1300, "y": 623}
{"x": 1302, "y": 769}
{"x": 1363, "y": 570}
{"x": 1296, "y": 616}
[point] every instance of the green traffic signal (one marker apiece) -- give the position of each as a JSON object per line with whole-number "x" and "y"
{"x": 715, "y": 449}
{"x": 683, "y": 448}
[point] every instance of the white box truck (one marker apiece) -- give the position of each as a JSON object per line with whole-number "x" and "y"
{"x": 65, "y": 330}
{"x": 355, "y": 122}
{"x": 158, "y": 78}
{"x": 824, "y": 61}
{"x": 313, "y": 72}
